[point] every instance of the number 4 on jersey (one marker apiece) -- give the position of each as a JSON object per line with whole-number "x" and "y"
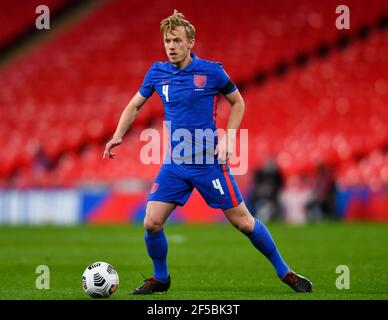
{"x": 217, "y": 185}
{"x": 165, "y": 91}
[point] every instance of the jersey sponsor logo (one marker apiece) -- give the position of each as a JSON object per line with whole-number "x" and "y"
{"x": 200, "y": 80}
{"x": 154, "y": 187}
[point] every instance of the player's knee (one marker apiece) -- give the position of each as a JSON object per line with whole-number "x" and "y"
{"x": 244, "y": 224}
{"x": 245, "y": 227}
{"x": 152, "y": 225}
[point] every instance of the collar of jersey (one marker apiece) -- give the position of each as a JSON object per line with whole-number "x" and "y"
{"x": 188, "y": 68}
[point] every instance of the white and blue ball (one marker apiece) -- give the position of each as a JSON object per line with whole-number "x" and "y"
{"x": 100, "y": 280}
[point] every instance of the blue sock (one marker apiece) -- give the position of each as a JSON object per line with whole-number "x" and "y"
{"x": 157, "y": 249}
{"x": 262, "y": 240}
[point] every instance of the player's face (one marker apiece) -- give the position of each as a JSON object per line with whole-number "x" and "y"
{"x": 177, "y": 46}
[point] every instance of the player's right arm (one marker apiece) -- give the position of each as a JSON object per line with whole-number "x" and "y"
{"x": 127, "y": 117}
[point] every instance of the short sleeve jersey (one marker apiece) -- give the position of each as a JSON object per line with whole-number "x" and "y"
{"x": 189, "y": 97}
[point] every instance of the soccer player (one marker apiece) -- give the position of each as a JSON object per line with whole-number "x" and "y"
{"x": 189, "y": 87}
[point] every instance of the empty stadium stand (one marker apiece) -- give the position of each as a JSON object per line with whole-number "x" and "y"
{"x": 323, "y": 99}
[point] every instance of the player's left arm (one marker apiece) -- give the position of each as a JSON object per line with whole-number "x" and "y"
{"x": 227, "y": 144}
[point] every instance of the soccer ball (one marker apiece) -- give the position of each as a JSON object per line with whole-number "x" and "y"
{"x": 100, "y": 280}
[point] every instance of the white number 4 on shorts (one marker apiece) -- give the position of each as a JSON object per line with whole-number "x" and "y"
{"x": 217, "y": 185}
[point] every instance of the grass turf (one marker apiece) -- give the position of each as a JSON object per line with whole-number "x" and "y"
{"x": 205, "y": 261}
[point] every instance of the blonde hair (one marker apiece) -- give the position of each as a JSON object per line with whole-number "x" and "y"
{"x": 175, "y": 20}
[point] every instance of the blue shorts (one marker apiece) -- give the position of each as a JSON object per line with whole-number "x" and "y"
{"x": 215, "y": 183}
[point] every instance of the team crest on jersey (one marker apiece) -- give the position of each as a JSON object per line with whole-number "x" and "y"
{"x": 200, "y": 80}
{"x": 155, "y": 187}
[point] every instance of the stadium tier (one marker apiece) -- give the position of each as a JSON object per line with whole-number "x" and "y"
{"x": 271, "y": 31}
{"x": 329, "y": 111}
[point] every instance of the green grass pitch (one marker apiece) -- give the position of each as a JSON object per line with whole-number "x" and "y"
{"x": 205, "y": 261}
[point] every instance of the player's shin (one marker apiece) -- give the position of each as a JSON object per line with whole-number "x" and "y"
{"x": 261, "y": 238}
{"x": 157, "y": 248}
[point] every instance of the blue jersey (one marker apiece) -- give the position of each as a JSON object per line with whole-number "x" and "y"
{"x": 189, "y": 98}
